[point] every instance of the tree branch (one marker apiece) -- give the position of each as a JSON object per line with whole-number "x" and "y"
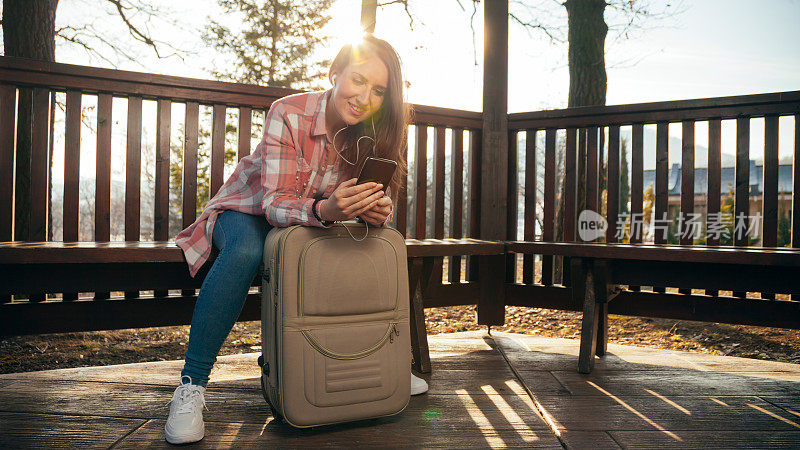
{"x": 472, "y": 27}
{"x": 405, "y": 6}
{"x": 531, "y": 25}
{"x": 138, "y": 35}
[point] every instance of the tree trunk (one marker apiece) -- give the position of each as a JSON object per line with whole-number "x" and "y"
{"x": 28, "y": 32}
{"x": 29, "y": 28}
{"x": 587, "y": 87}
{"x": 587, "y": 66}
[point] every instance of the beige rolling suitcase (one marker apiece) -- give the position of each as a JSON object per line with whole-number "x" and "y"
{"x": 334, "y": 323}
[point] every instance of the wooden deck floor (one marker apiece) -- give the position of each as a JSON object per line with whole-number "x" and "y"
{"x": 506, "y": 390}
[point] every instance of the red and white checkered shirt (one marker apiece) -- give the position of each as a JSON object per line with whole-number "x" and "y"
{"x": 279, "y": 180}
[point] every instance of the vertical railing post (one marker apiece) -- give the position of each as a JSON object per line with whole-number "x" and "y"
{"x": 494, "y": 158}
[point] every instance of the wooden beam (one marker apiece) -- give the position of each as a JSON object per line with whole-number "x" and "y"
{"x": 368, "y": 10}
{"x": 495, "y": 121}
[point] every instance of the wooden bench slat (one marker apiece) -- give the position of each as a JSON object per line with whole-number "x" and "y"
{"x": 770, "y": 189}
{"x": 40, "y": 149}
{"x": 612, "y": 186}
{"x": 637, "y": 182}
{"x": 687, "y": 185}
{"x": 133, "y": 169}
{"x": 571, "y": 186}
{"x": 662, "y": 178}
{"x": 456, "y": 199}
{"x": 476, "y": 141}
{"x": 512, "y": 185}
{"x": 662, "y": 252}
{"x": 161, "y": 207}
{"x": 421, "y": 187}
{"x": 592, "y": 171}
{"x": 217, "y": 149}
{"x": 72, "y": 166}
{"x": 189, "y": 213}
{"x": 438, "y": 182}
{"x": 529, "y": 223}
{"x": 24, "y": 252}
{"x": 8, "y": 104}
{"x": 714, "y": 174}
{"x": 548, "y": 232}
{"x": 438, "y": 195}
{"x": 102, "y": 193}
{"x": 245, "y": 126}
{"x": 742, "y": 200}
{"x": 401, "y": 213}
{"x": 687, "y": 179}
{"x": 714, "y": 182}
{"x": 18, "y": 252}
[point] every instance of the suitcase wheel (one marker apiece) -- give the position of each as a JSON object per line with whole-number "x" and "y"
{"x": 264, "y": 366}
{"x": 272, "y": 409}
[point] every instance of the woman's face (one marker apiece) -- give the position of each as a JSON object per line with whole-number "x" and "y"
{"x": 359, "y": 89}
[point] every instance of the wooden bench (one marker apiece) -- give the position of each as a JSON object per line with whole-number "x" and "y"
{"x": 36, "y": 268}
{"x": 599, "y": 271}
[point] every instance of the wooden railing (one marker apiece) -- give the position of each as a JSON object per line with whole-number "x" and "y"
{"x": 47, "y": 88}
{"x": 582, "y": 132}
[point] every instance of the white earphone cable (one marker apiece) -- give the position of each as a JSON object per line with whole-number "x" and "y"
{"x": 358, "y": 151}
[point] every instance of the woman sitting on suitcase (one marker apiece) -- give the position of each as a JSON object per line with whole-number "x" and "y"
{"x": 303, "y": 172}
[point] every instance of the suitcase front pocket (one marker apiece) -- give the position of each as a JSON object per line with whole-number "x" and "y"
{"x": 351, "y": 364}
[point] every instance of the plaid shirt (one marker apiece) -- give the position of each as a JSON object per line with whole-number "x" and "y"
{"x": 280, "y": 180}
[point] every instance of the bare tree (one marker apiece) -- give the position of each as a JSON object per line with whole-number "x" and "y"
{"x": 29, "y": 32}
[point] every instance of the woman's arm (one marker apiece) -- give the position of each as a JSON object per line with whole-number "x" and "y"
{"x": 283, "y": 204}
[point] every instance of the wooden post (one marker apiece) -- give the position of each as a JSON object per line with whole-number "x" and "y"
{"x": 583, "y": 293}
{"x": 368, "y": 13}
{"x": 494, "y": 156}
{"x": 419, "y": 274}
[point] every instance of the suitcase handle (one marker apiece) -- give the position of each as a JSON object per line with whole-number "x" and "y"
{"x": 349, "y": 356}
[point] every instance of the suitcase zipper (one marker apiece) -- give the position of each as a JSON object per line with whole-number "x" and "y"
{"x": 389, "y": 336}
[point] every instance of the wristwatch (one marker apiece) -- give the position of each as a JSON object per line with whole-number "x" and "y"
{"x": 326, "y": 223}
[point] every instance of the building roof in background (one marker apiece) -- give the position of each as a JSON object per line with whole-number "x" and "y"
{"x": 727, "y": 178}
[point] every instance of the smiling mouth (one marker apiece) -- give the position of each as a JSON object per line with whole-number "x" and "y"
{"x": 357, "y": 110}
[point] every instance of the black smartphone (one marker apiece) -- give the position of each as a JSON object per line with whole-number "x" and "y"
{"x": 379, "y": 170}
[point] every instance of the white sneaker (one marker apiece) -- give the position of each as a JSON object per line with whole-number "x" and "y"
{"x": 418, "y": 385}
{"x": 185, "y": 421}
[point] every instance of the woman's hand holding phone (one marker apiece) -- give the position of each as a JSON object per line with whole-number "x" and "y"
{"x": 350, "y": 200}
{"x": 377, "y": 214}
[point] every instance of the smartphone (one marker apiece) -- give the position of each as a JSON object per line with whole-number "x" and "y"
{"x": 379, "y": 170}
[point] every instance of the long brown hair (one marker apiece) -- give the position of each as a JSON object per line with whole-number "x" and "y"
{"x": 390, "y": 120}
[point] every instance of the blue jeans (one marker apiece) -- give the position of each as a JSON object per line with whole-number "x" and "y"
{"x": 240, "y": 240}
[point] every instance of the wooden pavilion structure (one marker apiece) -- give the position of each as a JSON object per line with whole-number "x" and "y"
{"x": 105, "y": 283}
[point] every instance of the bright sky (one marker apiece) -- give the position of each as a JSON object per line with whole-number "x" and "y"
{"x": 715, "y": 48}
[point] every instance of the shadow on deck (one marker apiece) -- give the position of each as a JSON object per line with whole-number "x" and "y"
{"x": 504, "y": 390}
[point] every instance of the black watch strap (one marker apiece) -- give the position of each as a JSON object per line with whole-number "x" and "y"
{"x": 316, "y": 214}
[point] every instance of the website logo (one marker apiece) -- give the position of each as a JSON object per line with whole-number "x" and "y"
{"x": 591, "y": 225}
